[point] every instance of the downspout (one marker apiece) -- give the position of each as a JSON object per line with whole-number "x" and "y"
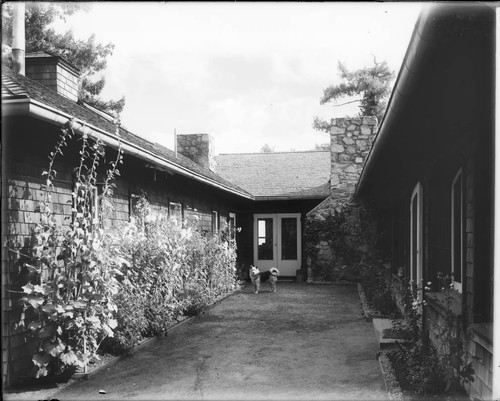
{"x": 18, "y": 42}
{"x": 496, "y": 231}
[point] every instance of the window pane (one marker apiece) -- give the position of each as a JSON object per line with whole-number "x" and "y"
{"x": 457, "y": 230}
{"x": 289, "y": 238}
{"x": 175, "y": 210}
{"x": 215, "y": 221}
{"x": 265, "y": 239}
{"x": 414, "y": 235}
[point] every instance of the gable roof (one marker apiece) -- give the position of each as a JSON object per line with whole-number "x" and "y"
{"x": 27, "y": 96}
{"x": 279, "y": 175}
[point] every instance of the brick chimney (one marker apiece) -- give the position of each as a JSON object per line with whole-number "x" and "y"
{"x": 53, "y": 72}
{"x": 199, "y": 148}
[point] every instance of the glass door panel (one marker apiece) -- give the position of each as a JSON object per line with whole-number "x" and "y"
{"x": 289, "y": 238}
{"x": 265, "y": 239}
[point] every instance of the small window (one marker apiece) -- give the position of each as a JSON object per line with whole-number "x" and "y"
{"x": 176, "y": 210}
{"x": 133, "y": 201}
{"x": 232, "y": 226}
{"x": 457, "y": 231}
{"x": 215, "y": 221}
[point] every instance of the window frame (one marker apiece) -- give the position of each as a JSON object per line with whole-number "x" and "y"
{"x": 232, "y": 226}
{"x": 457, "y": 285}
{"x": 215, "y": 221}
{"x": 94, "y": 203}
{"x": 173, "y": 212}
{"x": 416, "y": 272}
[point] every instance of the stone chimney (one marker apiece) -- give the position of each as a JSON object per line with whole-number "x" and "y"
{"x": 53, "y": 72}
{"x": 350, "y": 143}
{"x": 199, "y": 148}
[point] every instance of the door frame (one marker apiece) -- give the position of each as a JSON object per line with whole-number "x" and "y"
{"x": 277, "y": 261}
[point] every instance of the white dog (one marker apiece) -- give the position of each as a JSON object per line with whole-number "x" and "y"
{"x": 257, "y": 277}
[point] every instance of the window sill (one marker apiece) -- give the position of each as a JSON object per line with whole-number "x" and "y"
{"x": 444, "y": 301}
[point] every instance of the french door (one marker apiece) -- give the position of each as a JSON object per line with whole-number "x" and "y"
{"x": 277, "y": 242}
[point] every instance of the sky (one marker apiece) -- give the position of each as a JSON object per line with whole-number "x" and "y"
{"x": 248, "y": 74}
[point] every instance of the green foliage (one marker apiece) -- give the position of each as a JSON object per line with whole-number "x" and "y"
{"x": 372, "y": 83}
{"x": 91, "y": 288}
{"x": 266, "y": 148}
{"x": 376, "y": 279}
{"x": 417, "y": 362}
{"x": 452, "y": 353}
{"x": 168, "y": 270}
{"x": 347, "y": 232}
{"x": 427, "y": 369}
{"x": 68, "y": 306}
{"x": 87, "y": 55}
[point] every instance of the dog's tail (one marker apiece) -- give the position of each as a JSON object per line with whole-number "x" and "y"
{"x": 274, "y": 271}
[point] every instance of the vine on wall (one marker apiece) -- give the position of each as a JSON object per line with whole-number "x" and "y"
{"x": 68, "y": 305}
{"x": 349, "y": 235}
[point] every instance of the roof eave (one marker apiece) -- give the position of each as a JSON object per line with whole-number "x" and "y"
{"x": 286, "y": 198}
{"x": 404, "y": 82}
{"x": 23, "y": 105}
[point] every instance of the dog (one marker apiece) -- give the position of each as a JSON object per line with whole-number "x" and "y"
{"x": 259, "y": 277}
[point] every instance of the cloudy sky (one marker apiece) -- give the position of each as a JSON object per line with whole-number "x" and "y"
{"x": 248, "y": 74}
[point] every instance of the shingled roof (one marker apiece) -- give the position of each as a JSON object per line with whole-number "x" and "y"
{"x": 279, "y": 175}
{"x": 16, "y": 86}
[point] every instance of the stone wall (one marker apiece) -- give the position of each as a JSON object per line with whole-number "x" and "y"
{"x": 199, "y": 148}
{"x": 350, "y": 144}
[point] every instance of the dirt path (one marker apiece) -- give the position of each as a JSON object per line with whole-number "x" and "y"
{"x": 302, "y": 342}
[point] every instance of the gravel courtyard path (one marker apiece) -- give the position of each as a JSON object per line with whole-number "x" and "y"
{"x": 304, "y": 342}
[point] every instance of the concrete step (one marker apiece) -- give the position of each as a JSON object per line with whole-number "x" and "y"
{"x": 384, "y": 331}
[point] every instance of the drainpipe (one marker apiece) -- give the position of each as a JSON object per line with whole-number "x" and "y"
{"x": 18, "y": 42}
{"x": 496, "y": 235}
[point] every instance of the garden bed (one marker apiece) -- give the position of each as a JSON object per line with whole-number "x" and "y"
{"x": 106, "y": 360}
{"x": 370, "y": 312}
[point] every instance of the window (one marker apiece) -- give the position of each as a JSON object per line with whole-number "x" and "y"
{"x": 86, "y": 204}
{"x": 416, "y": 230}
{"x": 215, "y": 221}
{"x": 232, "y": 226}
{"x": 265, "y": 239}
{"x": 133, "y": 201}
{"x": 457, "y": 231}
{"x": 176, "y": 210}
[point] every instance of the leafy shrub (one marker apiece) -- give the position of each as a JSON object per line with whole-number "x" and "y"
{"x": 375, "y": 280}
{"x": 425, "y": 368}
{"x": 167, "y": 270}
{"x": 350, "y": 235}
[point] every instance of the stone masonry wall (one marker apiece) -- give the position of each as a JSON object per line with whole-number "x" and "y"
{"x": 199, "y": 148}
{"x": 350, "y": 144}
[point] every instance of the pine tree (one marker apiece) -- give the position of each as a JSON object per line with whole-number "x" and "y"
{"x": 372, "y": 83}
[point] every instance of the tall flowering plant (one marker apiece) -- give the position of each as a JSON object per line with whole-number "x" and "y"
{"x": 68, "y": 306}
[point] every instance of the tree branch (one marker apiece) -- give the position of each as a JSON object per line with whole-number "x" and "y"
{"x": 343, "y": 104}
